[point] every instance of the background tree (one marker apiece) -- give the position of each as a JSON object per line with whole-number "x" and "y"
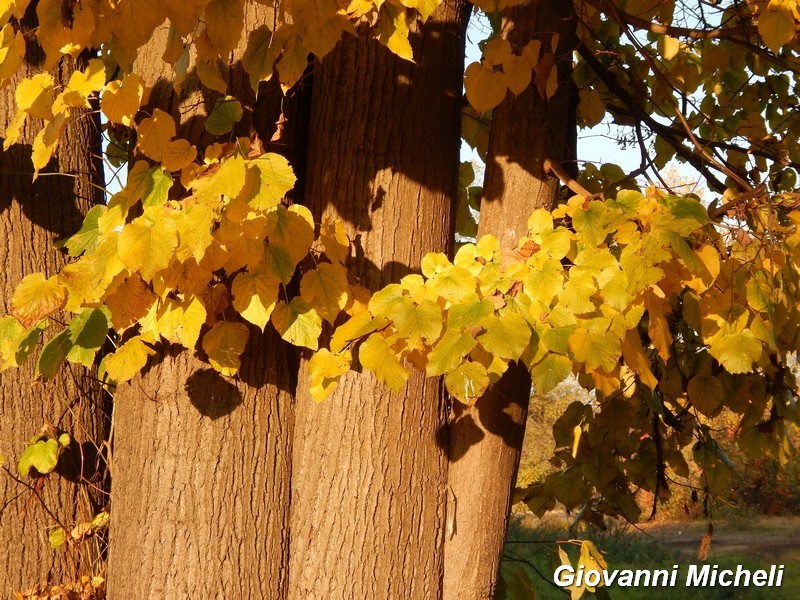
{"x": 33, "y": 214}
{"x": 642, "y": 294}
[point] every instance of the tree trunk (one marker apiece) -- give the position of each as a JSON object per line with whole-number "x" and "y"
{"x": 32, "y": 215}
{"x": 486, "y": 439}
{"x": 369, "y": 470}
{"x": 202, "y": 463}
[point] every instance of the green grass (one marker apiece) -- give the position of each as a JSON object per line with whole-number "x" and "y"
{"x": 529, "y": 558}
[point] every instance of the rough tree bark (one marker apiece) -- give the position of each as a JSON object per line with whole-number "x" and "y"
{"x": 201, "y": 463}
{"x": 370, "y": 467}
{"x": 486, "y": 439}
{"x": 32, "y": 215}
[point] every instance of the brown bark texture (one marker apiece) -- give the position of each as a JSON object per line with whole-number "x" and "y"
{"x": 486, "y": 439}
{"x": 32, "y": 216}
{"x": 369, "y": 468}
{"x": 201, "y": 463}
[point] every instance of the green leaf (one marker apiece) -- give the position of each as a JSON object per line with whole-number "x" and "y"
{"x": 41, "y": 456}
{"x": 226, "y": 113}
{"x": 88, "y": 235}
{"x": 53, "y": 354}
{"x": 157, "y": 186}
{"x": 87, "y": 333}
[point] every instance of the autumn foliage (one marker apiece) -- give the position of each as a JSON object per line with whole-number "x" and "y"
{"x": 670, "y": 311}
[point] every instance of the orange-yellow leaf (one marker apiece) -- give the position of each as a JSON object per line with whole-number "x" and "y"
{"x": 128, "y": 360}
{"x": 254, "y": 296}
{"x": 155, "y": 133}
{"x": 178, "y": 154}
{"x": 485, "y": 87}
{"x": 120, "y": 100}
{"x": 36, "y": 298}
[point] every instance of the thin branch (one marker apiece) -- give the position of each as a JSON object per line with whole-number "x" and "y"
{"x": 671, "y": 30}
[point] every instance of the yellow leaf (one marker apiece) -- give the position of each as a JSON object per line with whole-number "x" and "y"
{"x": 120, "y": 99}
{"x": 376, "y": 355}
{"x": 497, "y": 51}
{"x": 12, "y": 51}
{"x": 129, "y": 302}
{"x": 392, "y": 31}
{"x": 518, "y": 74}
{"x": 591, "y": 108}
{"x": 258, "y": 57}
{"x": 83, "y": 84}
{"x": 669, "y": 47}
{"x": 276, "y": 178}
{"x": 595, "y": 350}
{"x": 224, "y": 344}
{"x": 453, "y": 283}
{"x": 357, "y": 327}
{"x": 175, "y": 321}
{"x": 226, "y": 181}
{"x": 35, "y": 96}
{"x": 325, "y": 290}
{"x": 637, "y": 360}
{"x": 36, "y": 297}
{"x": 46, "y": 142}
{"x": 776, "y": 26}
{"x": 506, "y": 336}
{"x": 292, "y": 228}
{"x": 293, "y": 61}
{"x": 485, "y": 87}
{"x": 468, "y": 382}
{"x": 254, "y": 296}
{"x": 128, "y": 360}
{"x": 155, "y": 133}
{"x": 549, "y": 372}
{"x": 449, "y": 352}
{"x": 736, "y": 351}
{"x": 190, "y": 323}
{"x": 531, "y": 52}
{"x": 224, "y": 21}
{"x": 178, "y": 154}
{"x": 424, "y": 7}
{"x": 194, "y": 232}
{"x": 325, "y": 369}
{"x": 297, "y": 323}
{"x": 417, "y": 321}
{"x": 469, "y": 312}
{"x": 147, "y": 247}
{"x": 334, "y": 238}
